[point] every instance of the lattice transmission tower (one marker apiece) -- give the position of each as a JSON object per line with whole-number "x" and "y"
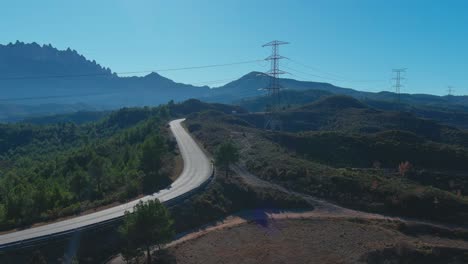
{"x": 398, "y": 85}
{"x": 273, "y": 120}
{"x": 450, "y": 90}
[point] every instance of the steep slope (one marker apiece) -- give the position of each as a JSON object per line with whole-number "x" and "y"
{"x": 33, "y": 60}
{"x": 30, "y": 70}
{"x": 34, "y": 74}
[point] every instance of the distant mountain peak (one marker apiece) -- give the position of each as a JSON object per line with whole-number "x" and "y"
{"x": 255, "y": 74}
{"x": 25, "y": 59}
{"x": 154, "y": 75}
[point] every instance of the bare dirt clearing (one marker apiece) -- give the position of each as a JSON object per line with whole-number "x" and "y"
{"x": 309, "y": 240}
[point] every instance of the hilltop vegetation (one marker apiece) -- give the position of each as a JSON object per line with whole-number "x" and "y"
{"x": 78, "y": 118}
{"x": 289, "y": 99}
{"x": 348, "y": 115}
{"x": 13, "y": 112}
{"x": 387, "y": 148}
{"x": 410, "y": 167}
{"x": 445, "y": 112}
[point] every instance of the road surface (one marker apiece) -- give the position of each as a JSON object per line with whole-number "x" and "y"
{"x": 197, "y": 170}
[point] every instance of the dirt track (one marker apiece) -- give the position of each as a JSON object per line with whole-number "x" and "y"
{"x": 327, "y": 209}
{"x": 295, "y": 240}
{"x": 323, "y": 229}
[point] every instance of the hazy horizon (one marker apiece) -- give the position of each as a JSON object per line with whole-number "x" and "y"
{"x": 348, "y": 44}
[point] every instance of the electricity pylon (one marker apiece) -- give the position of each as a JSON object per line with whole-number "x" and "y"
{"x": 273, "y": 121}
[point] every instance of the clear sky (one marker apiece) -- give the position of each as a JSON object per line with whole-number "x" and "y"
{"x": 351, "y": 43}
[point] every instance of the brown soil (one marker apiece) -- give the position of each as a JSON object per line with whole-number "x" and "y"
{"x": 308, "y": 240}
{"x": 302, "y": 237}
{"x": 327, "y": 234}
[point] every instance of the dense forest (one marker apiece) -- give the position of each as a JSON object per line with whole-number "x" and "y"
{"x": 57, "y": 166}
{"x": 55, "y": 170}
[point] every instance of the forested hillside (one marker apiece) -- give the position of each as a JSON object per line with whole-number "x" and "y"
{"x": 56, "y": 170}
{"x": 405, "y": 165}
{"x": 346, "y": 114}
{"x": 63, "y": 168}
{"x": 16, "y": 111}
{"x": 78, "y": 118}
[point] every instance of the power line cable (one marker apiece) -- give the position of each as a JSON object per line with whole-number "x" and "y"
{"x": 334, "y": 77}
{"x": 215, "y": 81}
{"x": 52, "y": 97}
{"x": 310, "y": 74}
{"x": 32, "y": 77}
{"x": 94, "y": 94}
{"x": 315, "y": 69}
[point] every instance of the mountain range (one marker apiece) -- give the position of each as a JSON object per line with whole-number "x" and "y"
{"x": 34, "y": 74}
{"x": 33, "y": 77}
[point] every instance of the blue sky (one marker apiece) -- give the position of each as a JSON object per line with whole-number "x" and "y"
{"x": 351, "y": 43}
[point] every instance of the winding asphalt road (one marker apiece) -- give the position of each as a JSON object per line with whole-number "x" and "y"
{"x": 197, "y": 170}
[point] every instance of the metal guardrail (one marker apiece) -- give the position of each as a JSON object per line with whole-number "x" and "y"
{"x": 44, "y": 239}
